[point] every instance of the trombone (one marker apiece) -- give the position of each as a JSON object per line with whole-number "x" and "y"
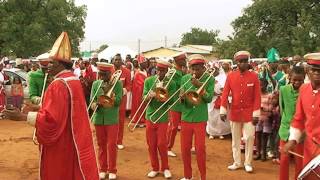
{"x": 194, "y": 96}
{"x": 34, "y": 138}
{"x": 141, "y": 105}
{"x": 162, "y": 93}
{"x": 106, "y": 100}
{"x": 178, "y": 90}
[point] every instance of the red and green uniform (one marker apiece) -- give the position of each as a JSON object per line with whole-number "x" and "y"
{"x": 287, "y": 100}
{"x": 194, "y": 120}
{"x": 175, "y": 112}
{"x": 156, "y": 132}
{"x": 106, "y": 124}
{"x": 36, "y": 81}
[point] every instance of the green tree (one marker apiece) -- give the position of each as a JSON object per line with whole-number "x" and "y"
{"x": 30, "y": 27}
{"x": 291, "y": 26}
{"x": 199, "y": 37}
{"x": 102, "y": 47}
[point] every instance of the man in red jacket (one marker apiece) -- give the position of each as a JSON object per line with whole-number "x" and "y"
{"x": 137, "y": 91}
{"x": 125, "y": 79}
{"x": 62, "y": 124}
{"x": 244, "y": 87}
{"x": 306, "y": 117}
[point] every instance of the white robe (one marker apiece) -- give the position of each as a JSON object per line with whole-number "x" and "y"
{"x": 215, "y": 126}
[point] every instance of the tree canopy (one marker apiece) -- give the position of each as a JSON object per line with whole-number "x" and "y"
{"x": 291, "y": 26}
{"x": 199, "y": 36}
{"x": 30, "y": 27}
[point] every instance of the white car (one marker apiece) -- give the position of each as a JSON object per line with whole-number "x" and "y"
{"x": 15, "y": 72}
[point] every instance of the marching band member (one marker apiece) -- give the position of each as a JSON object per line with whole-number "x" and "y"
{"x": 106, "y": 119}
{"x": 36, "y": 79}
{"x": 125, "y": 79}
{"x": 307, "y": 114}
{"x": 137, "y": 89}
{"x": 194, "y": 117}
{"x": 156, "y": 129}
{"x": 244, "y": 86}
{"x": 287, "y": 99}
{"x": 175, "y": 112}
{"x": 62, "y": 124}
{"x": 87, "y": 77}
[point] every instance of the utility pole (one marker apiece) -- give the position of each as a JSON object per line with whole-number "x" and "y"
{"x": 165, "y": 41}
{"x": 139, "y": 46}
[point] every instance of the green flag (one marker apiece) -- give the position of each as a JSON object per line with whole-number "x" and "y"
{"x": 273, "y": 55}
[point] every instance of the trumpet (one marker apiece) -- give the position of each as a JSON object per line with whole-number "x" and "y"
{"x": 177, "y": 100}
{"x": 107, "y": 99}
{"x": 162, "y": 93}
{"x": 194, "y": 97}
{"x": 141, "y": 105}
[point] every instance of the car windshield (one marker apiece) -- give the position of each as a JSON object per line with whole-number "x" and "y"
{"x": 22, "y": 74}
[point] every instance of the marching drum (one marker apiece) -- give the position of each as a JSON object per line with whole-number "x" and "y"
{"x": 311, "y": 171}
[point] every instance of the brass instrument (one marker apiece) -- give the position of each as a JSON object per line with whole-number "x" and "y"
{"x": 162, "y": 93}
{"x": 178, "y": 99}
{"x": 107, "y": 99}
{"x": 194, "y": 97}
{"x": 141, "y": 105}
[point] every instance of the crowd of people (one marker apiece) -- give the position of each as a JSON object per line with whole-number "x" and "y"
{"x": 270, "y": 110}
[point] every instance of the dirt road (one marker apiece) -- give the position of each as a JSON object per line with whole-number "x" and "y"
{"x": 19, "y": 157}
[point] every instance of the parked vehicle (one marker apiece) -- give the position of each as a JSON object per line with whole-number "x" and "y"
{"x": 15, "y": 72}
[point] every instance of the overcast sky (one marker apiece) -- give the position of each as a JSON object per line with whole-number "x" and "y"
{"x": 123, "y": 22}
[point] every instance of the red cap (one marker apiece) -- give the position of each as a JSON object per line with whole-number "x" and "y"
{"x": 163, "y": 64}
{"x": 141, "y": 58}
{"x": 312, "y": 58}
{"x": 241, "y": 55}
{"x": 180, "y": 56}
{"x": 196, "y": 59}
{"x": 102, "y": 66}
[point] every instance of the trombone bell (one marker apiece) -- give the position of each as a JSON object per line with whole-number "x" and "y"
{"x": 162, "y": 94}
{"x": 193, "y": 97}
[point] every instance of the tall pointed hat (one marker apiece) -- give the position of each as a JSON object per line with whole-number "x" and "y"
{"x": 61, "y": 49}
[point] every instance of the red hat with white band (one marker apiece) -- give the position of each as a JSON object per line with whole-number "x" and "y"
{"x": 241, "y": 55}
{"x": 163, "y": 64}
{"x": 196, "y": 59}
{"x": 102, "y": 66}
{"x": 313, "y": 58}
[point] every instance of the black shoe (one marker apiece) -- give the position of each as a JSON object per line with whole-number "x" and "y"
{"x": 257, "y": 157}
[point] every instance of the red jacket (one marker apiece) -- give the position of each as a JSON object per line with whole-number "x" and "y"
{"x": 306, "y": 118}
{"x": 63, "y": 131}
{"x": 125, "y": 78}
{"x": 246, "y": 96}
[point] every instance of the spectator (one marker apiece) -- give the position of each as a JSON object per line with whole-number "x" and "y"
{"x": 17, "y": 92}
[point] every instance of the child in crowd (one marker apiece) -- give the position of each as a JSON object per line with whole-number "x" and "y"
{"x": 288, "y": 98}
{"x": 275, "y": 120}
{"x": 17, "y": 92}
{"x": 263, "y": 128}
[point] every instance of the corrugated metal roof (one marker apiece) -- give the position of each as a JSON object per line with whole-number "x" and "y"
{"x": 190, "y": 50}
{"x": 202, "y": 47}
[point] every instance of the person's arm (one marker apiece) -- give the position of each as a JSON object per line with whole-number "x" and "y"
{"x": 297, "y": 127}
{"x": 257, "y": 98}
{"x": 281, "y": 100}
{"x": 224, "y": 97}
{"x": 118, "y": 93}
{"x": 128, "y": 82}
{"x": 50, "y": 121}
{"x": 209, "y": 91}
{"x": 297, "y": 123}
